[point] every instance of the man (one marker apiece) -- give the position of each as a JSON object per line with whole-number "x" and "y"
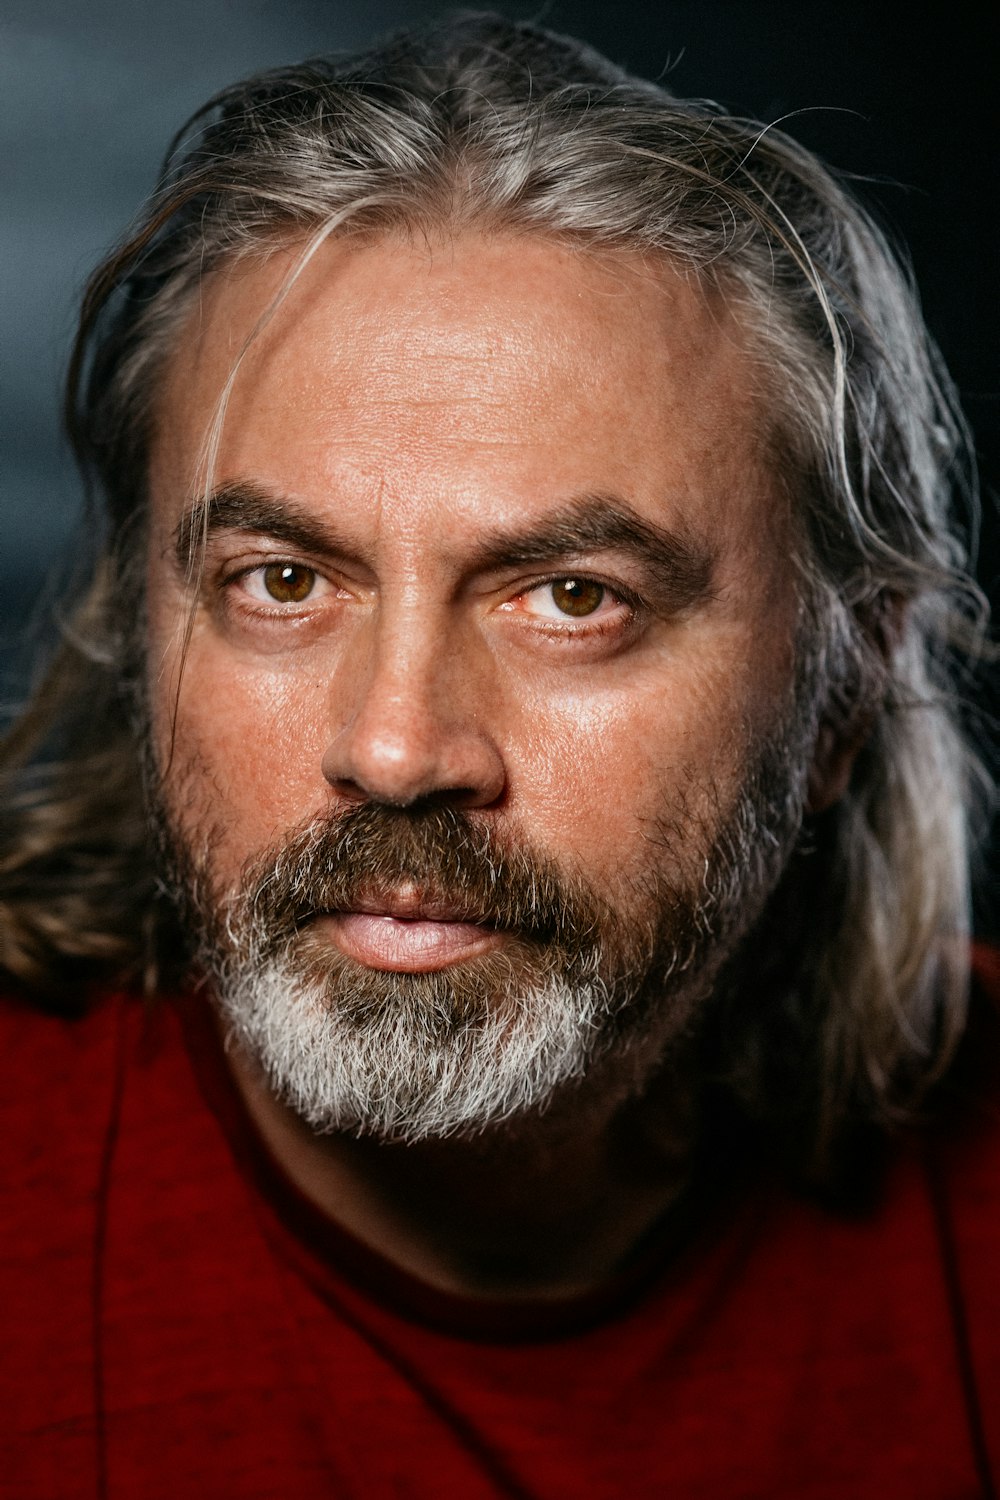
{"x": 507, "y": 739}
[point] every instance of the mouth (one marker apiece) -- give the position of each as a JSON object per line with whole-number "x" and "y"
{"x": 408, "y": 932}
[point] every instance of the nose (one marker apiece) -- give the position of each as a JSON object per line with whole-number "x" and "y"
{"x": 407, "y": 727}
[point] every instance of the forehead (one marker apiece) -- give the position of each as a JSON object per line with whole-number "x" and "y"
{"x": 426, "y": 373}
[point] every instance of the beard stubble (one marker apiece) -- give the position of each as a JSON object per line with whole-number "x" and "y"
{"x": 576, "y": 980}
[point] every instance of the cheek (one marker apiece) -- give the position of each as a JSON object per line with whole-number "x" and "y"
{"x": 593, "y": 775}
{"x": 247, "y": 755}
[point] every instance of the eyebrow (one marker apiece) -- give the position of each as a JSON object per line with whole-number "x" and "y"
{"x": 244, "y": 506}
{"x": 679, "y": 567}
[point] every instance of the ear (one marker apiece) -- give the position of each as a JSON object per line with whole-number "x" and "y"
{"x": 846, "y": 727}
{"x": 833, "y": 761}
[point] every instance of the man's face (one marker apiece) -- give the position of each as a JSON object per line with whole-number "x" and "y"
{"x": 493, "y": 555}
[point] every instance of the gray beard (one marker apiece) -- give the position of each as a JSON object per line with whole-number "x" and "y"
{"x": 403, "y": 1075}
{"x": 411, "y": 1057}
{"x": 580, "y": 983}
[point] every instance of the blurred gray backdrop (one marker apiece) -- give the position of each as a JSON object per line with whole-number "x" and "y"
{"x": 90, "y": 93}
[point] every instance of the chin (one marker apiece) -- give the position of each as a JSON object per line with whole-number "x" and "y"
{"x": 408, "y": 1059}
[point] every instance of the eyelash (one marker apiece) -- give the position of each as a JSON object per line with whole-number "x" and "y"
{"x": 585, "y": 627}
{"x": 552, "y": 628}
{"x": 256, "y": 608}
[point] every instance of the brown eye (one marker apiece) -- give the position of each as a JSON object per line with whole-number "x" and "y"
{"x": 289, "y": 583}
{"x": 577, "y": 596}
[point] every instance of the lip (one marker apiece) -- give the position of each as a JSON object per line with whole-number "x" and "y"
{"x": 413, "y": 905}
{"x": 408, "y": 932}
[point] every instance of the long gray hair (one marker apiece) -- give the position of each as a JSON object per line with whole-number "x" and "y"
{"x": 496, "y": 126}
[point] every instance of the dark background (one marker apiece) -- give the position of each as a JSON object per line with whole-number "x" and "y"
{"x": 904, "y": 96}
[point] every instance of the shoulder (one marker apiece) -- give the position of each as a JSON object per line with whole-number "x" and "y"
{"x": 58, "y": 1084}
{"x": 963, "y": 1132}
{"x": 62, "y": 1080}
{"x": 62, "y": 1077}
{"x": 986, "y": 973}
{"x": 964, "y": 1179}
{"x": 56, "y": 1069}
{"x": 59, "y": 1081}
{"x": 969, "y": 1097}
{"x": 65, "y": 1086}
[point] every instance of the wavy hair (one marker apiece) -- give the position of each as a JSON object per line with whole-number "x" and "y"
{"x": 497, "y": 126}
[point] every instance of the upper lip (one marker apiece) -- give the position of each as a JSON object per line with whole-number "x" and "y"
{"x": 413, "y": 905}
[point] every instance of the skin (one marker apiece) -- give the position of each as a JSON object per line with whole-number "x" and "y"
{"x": 416, "y": 406}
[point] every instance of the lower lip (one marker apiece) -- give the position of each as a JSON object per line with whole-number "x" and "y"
{"x": 411, "y": 947}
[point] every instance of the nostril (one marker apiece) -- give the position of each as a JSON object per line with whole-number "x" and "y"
{"x": 414, "y": 727}
{"x": 458, "y": 769}
{"x": 344, "y": 787}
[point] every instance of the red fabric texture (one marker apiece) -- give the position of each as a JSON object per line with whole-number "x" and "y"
{"x": 175, "y": 1321}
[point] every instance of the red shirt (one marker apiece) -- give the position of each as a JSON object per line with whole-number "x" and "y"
{"x": 175, "y": 1321}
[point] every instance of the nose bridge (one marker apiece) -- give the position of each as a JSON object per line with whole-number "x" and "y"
{"x": 405, "y": 722}
{"x": 413, "y": 651}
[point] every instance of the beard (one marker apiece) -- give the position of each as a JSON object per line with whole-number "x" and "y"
{"x": 578, "y": 980}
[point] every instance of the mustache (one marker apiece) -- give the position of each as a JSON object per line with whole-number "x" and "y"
{"x": 440, "y": 854}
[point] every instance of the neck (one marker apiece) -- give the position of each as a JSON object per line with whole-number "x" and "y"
{"x": 553, "y": 1206}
